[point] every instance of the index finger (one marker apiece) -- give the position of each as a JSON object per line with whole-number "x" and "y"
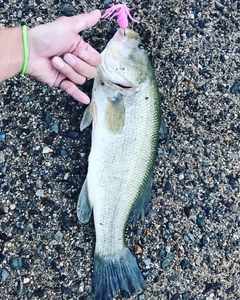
{"x": 84, "y": 21}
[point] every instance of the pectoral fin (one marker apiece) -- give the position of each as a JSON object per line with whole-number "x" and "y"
{"x": 115, "y": 114}
{"x": 88, "y": 116}
{"x": 84, "y": 209}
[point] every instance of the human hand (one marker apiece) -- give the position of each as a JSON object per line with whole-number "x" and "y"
{"x": 60, "y": 57}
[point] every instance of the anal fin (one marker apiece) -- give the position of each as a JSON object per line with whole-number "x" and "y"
{"x": 140, "y": 206}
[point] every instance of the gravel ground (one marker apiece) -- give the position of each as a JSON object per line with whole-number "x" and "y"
{"x": 188, "y": 245}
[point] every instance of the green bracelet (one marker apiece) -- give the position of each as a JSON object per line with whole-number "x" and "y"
{"x": 25, "y": 48}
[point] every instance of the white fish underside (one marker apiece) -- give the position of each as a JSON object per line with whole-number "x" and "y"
{"x": 119, "y": 165}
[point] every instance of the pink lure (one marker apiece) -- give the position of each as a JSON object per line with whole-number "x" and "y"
{"x": 121, "y": 12}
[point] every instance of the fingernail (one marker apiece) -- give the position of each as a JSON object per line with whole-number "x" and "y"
{"x": 58, "y": 63}
{"x": 70, "y": 59}
{"x": 84, "y": 55}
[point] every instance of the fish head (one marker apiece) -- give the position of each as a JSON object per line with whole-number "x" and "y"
{"x": 125, "y": 64}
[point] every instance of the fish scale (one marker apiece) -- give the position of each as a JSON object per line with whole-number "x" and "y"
{"x": 125, "y": 112}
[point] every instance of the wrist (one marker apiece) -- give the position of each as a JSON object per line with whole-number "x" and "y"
{"x": 11, "y": 52}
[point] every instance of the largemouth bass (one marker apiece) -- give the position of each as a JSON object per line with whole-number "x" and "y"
{"x": 125, "y": 111}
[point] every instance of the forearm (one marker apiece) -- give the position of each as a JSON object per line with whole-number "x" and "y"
{"x": 11, "y": 52}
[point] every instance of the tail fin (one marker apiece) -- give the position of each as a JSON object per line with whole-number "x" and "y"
{"x": 113, "y": 274}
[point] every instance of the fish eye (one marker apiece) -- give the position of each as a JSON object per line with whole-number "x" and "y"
{"x": 141, "y": 48}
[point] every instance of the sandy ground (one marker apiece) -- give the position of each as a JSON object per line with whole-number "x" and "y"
{"x": 189, "y": 241}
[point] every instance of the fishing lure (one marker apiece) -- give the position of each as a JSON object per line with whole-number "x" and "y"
{"x": 122, "y": 12}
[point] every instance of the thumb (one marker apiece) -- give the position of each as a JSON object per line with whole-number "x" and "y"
{"x": 84, "y": 21}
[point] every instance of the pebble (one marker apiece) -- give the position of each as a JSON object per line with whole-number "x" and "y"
{"x": 67, "y": 9}
{"x": 176, "y": 297}
{"x": 12, "y": 206}
{"x": 48, "y": 119}
{"x": 26, "y": 280}
{"x": 2, "y": 137}
{"x": 40, "y": 193}
{"x": 55, "y": 128}
{"x": 58, "y": 237}
{"x": 19, "y": 14}
{"x": 184, "y": 263}
{"x": 168, "y": 186}
{"x": 234, "y": 208}
{"x": 16, "y": 263}
{"x": 235, "y": 88}
{"x": 46, "y": 150}
{"x": 137, "y": 250}
{"x": 147, "y": 262}
{"x": 167, "y": 262}
{"x": 185, "y": 296}
{"x": 4, "y": 274}
{"x": 200, "y": 221}
{"x": 2, "y": 157}
{"x": 64, "y": 153}
{"x": 72, "y": 134}
{"x": 160, "y": 151}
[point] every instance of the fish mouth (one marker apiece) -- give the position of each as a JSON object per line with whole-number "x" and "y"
{"x": 123, "y": 86}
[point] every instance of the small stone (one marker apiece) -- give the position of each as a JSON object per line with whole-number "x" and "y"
{"x": 168, "y": 186}
{"x": 19, "y": 14}
{"x": 160, "y": 151}
{"x": 162, "y": 253}
{"x": 55, "y": 128}
{"x": 58, "y": 237}
{"x": 181, "y": 176}
{"x": 29, "y": 228}
{"x": 40, "y": 193}
{"x": 2, "y": 158}
{"x": 185, "y": 296}
{"x": 67, "y": 9}
{"x": 2, "y": 136}
{"x": 137, "y": 250}
{"x": 39, "y": 184}
{"x": 66, "y": 290}
{"x": 210, "y": 297}
{"x": 184, "y": 263}
{"x": 200, "y": 221}
{"x": 64, "y": 153}
{"x": 16, "y": 263}
{"x": 176, "y": 297}
{"x": 4, "y": 274}
{"x": 176, "y": 10}
{"x": 191, "y": 237}
{"x": 72, "y": 134}
{"x": 39, "y": 20}
{"x": 48, "y": 119}
{"x": 167, "y": 262}
{"x": 170, "y": 226}
{"x": 233, "y": 208}
{"x": 147, "y": 261}
{"x": 202, "y": 23}
{"x": 26, "y": 280}
{"x": 12, "y": 206}
{"x": 46, "y": 150}
{"x": 230, "y": 289}
{"x": 235, "y": 88}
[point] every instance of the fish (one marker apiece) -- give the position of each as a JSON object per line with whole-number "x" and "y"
{"x": 126, "y": 117}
